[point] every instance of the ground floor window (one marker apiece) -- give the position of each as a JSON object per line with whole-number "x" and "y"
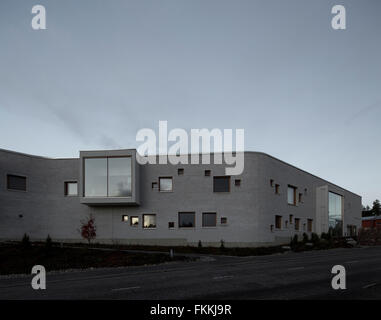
{"x": 278, "y": 222}
{"x": 187, "y": 220}
{"x": 309, "y": 225}
{"x": 297, "y": 223}
{"x": 134, "y": 221}
{"x": 149, "y": 220}
{"x": 209, "y": 219}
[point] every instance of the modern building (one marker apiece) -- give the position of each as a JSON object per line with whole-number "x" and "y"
{"x": 165, "y": 204}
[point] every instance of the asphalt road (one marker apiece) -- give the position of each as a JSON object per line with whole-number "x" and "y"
{"x": 305, "y": 275}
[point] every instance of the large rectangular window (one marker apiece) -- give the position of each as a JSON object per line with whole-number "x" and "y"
{"x": 149, "y": 221}
{"x": 107, "y": 177}
{"x": 221, "y": 184}
{"x": 335, "y": 212}
{"x": 209, "y": 219}
{"x": 291, "y": 195}
{"x": 187, "y": 220}
{"x": 16, "y": 182}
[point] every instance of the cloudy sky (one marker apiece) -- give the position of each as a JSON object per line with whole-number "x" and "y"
{"x": 102, "y": 70}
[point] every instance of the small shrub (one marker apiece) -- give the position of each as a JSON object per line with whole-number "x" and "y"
{"x": 315, "y": 238}
{"x": 305, "y": 238}
{"x": 25, "y": 242}
{"x": 294, "y": 241}
{"x": 88, "y": 229}
{"x": 222, "y": 244}
{"x": 199, "y": 244}
{"x": 48, "y": 242}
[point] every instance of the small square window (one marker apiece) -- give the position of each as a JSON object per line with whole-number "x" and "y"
{"x": 224, "y": 220}
{"x": 165, "y": 184}
{"x": 221, "y": 184}
{"x": 171, "y": 225}
{"x": 208, "y": 173}
{"x": 124, "y": 218}
{"x": 149, "y": 221}
{"x": 134, "y": 221}
{"x": 180, "y": 171}
{"x": 16, "y": 182}
{"x": 237, "y": 182}
{"x": 71, "y": 188}
{"x": 154, "y": 185}
{"x": 209, "y": 219}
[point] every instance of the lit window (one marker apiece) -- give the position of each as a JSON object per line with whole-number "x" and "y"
{"x": 124, "y": 218}
{"x": 221, "y": 184}
{"x": 291, "y": 195}
{"x": 134, "y": 221}
{"x": 278, "y": 222}
{"x": 16, "y": 182}
{"x": 209, "y": 219}
{"x": 186, "y": 220}
{"x": 165, "y": 184}
{"x": 149, "y": 221}
{"x": 71, "y": 188}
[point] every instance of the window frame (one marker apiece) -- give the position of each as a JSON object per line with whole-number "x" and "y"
{"x": 215, "y": 220}
{"x": 294, "y": 194}
{"x": 278, "y": 226}
{"x": 149, "y": 214}
{"x": 18, "y": 176}
{"x": 134, "y": 225}
{"x": 222, "y": 177}
{"x": 166, "y": 177}
{"x": 187, "y": 212}
{"x": 83, "y": 191}
{"x": 66, "y": 189}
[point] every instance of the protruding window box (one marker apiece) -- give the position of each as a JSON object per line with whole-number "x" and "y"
{"x": 109, "y": 177}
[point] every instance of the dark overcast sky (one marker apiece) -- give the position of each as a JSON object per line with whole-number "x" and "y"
{"x": 102, "y": 70}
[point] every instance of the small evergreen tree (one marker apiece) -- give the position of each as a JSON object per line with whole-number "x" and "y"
{"x": 25, "y": 242}
{"x": 376, "y": 209}
{"x": 48, "y": 242}
{"x": 305, "y": 238}
{"x": 199, "y": 244}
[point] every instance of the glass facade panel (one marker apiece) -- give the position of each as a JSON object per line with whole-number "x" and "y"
{"x": 108, "y": 177}
{"x": 119, "y": 177}
{"x": 335, "y": 214}
{"x": 96, "y": 177}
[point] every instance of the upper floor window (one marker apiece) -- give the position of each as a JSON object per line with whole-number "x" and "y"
{"x": 16, "y": 182}
{"x": 165, "y": 184}
{"x": 291, "y": 195}
{"x": 107, "y": 177}
{"x": 277, "y": 186}
{"x": 221, "y": 184}
{"x": 71, "y": 188}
